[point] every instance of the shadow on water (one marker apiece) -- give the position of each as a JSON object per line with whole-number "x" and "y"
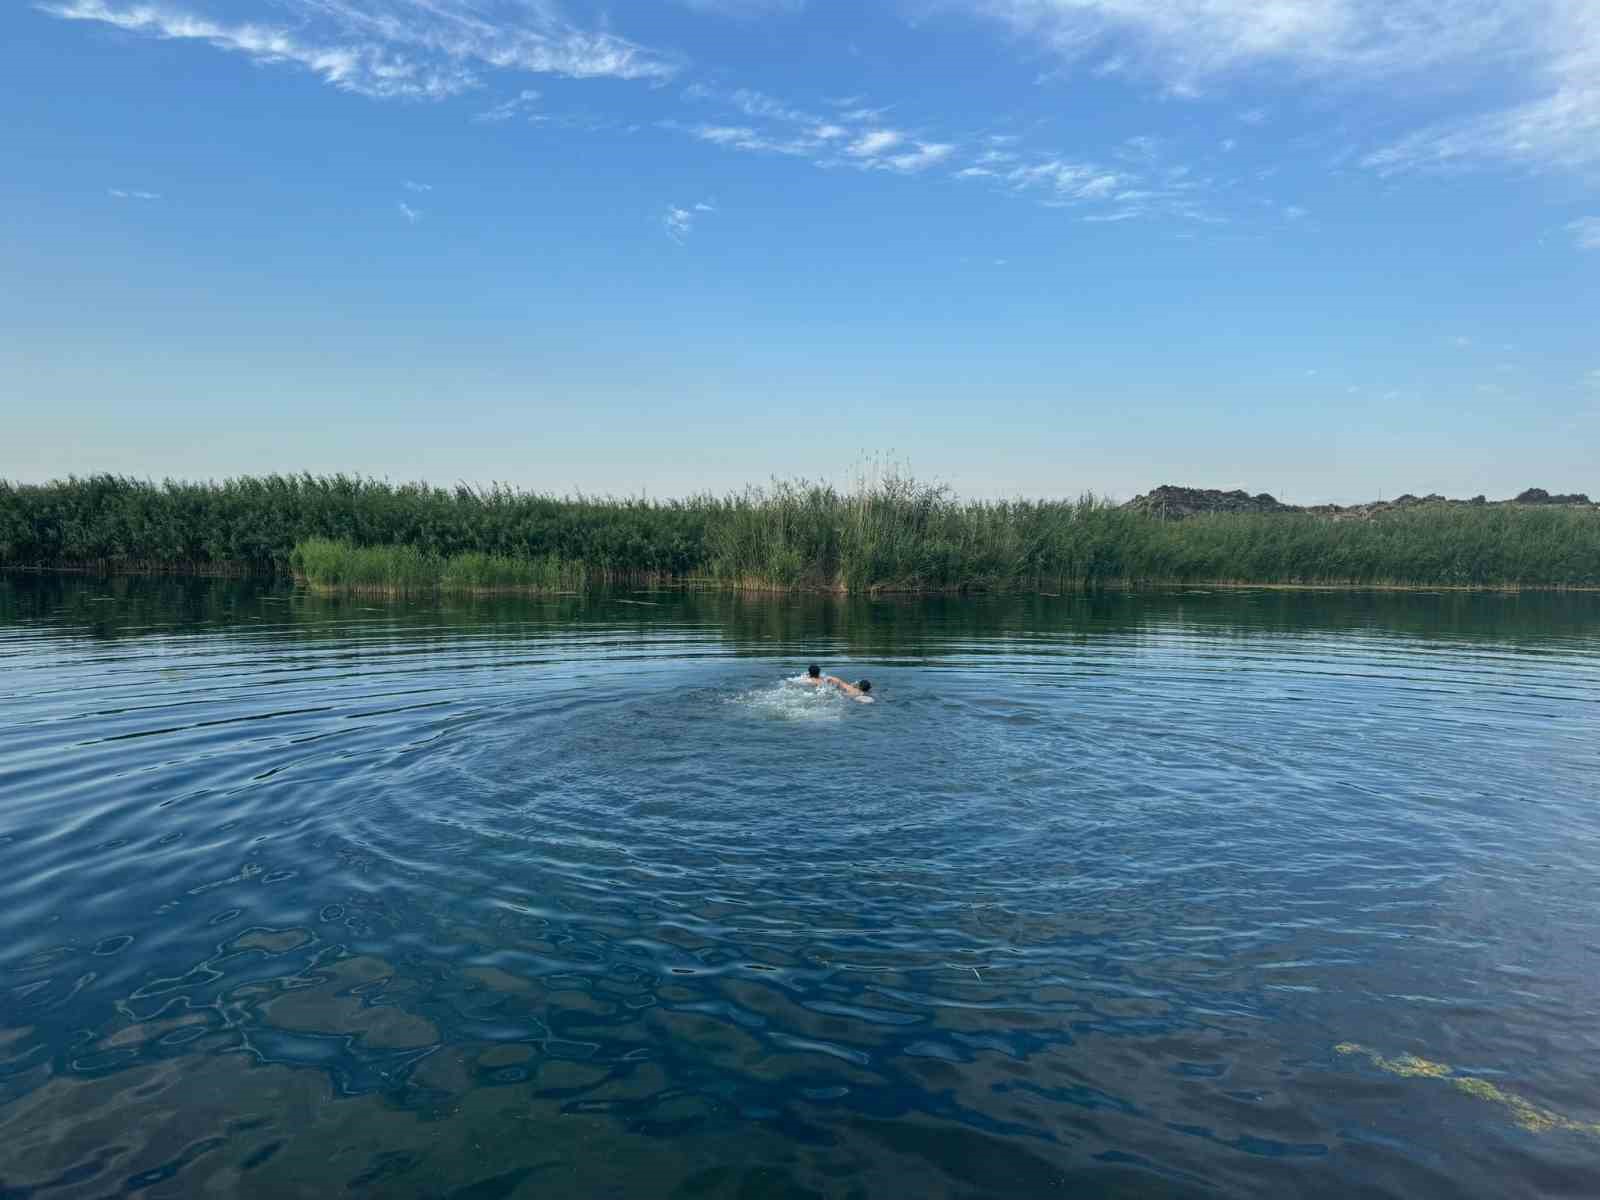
{"x": 579, "y": 897}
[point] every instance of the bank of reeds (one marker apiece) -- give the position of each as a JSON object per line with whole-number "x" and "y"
{"x": 894, "y": 534}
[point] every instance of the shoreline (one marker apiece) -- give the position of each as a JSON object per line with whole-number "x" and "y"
{"x": 753, "y": 588}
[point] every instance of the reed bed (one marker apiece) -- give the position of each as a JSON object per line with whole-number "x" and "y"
{"x": 336, "y": 566}
{"x": 891, "y": 534}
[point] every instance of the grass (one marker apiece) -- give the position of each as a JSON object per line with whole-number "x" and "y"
{"x": 892, "y": 534}
{"x": 336, "y": 566}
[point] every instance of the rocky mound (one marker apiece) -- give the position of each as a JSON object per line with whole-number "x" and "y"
{"x": 1540, "y": 496}
{"x": 1174, "y": 503}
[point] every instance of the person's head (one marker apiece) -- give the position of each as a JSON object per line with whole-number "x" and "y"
{"x": 814, "y": 671}
{"x": 865, "y": 685}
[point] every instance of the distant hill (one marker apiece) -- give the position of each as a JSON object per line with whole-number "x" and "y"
{"x": 1173, "y": 503}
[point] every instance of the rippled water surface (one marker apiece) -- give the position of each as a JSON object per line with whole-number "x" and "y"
{"x": 1248, "y": 894}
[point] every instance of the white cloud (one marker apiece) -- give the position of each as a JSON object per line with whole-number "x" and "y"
{"x": 1145, "y": 184}
{"x": 508, "y": 109}
{"x": 412, "y": 185}
{"x": 874, "y": 142}
{"x": 758, "y": 104}
{"x": 412, "y": 215}
{"x": 679, "y": 220}
{"x": 743, "y": 10}
{"x": 1185, "y": 43}
{"x": 744, "y": 137}
{"x": 1556, "y": 126}
{"x": 122, "y": 194}
{"x": 1293, "y": 212}
{"x": 425, "y": 49}
{"x": 679, "y": 223}
{"x": 1544, "y": 54}
{"x": 924, "y": 156}
{"x": 1561, "y": 130}
{"x": 1066, "y": 179}
{"x": 1586, "y": 231}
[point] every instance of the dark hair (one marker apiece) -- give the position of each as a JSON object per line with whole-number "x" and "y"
{"x": 813, "y": 670}
{"x": 865, "y": 685}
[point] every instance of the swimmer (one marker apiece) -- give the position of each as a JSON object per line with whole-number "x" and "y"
{"x": 856, "y": 691}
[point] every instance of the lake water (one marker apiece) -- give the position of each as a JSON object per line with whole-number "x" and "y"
{"x": 1237, "y": 894}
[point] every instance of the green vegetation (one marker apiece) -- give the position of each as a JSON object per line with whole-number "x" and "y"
{"x": 404, "y": 570}
{"x": 341, "y": 532}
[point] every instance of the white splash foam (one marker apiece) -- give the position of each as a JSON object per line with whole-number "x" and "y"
{"x": 793, "y": 700}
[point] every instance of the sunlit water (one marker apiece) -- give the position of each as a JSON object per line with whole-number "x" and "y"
{"x": 1258, "y": 894}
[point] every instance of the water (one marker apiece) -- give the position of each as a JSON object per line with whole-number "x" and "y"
{"x": 1142, "y": 896}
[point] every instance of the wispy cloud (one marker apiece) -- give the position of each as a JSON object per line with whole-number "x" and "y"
{"x": 1185, "y": 44}
{"x": 518, "y": 104}
{"x": 926, "y": 154}
{"x": 874, "y": 142}
{"x": 412, "y": 215}
{"x": 424, "y": 49}
{"x": 1069, "y": 180}
{"x": 412, "y": 185}
{"x": 1543, "y": 53}
{"x": 743, "y": 10}
{"x": 365, "y": 69}
{"x": 1586, "y": 232}
{"x": 1554, "y": 49}
{"x": 744, "y": 137}
{"x": 1143, "y": 184}
{"x": 758, "y": 104}
{"x": 122, "y": 194}
{"x": 679, "y": 221}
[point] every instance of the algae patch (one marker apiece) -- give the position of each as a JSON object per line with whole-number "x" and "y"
{"x": 1524, "y": 1113}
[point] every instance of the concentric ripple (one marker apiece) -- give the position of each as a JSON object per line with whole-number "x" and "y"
{"x": 591, "y": 897}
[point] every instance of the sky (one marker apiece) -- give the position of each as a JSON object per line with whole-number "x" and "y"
{"x": 1330, "y": 249}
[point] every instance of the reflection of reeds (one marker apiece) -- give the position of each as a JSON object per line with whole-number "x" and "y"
{"x": 890, "y": 533}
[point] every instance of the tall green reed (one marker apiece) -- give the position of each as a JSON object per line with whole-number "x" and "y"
{"x": 886, "y": 533}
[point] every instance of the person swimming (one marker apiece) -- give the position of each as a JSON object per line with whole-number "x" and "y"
{"x": 856, "y": 691}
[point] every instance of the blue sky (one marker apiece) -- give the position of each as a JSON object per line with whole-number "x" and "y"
{"x": 1333, "y": 249}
